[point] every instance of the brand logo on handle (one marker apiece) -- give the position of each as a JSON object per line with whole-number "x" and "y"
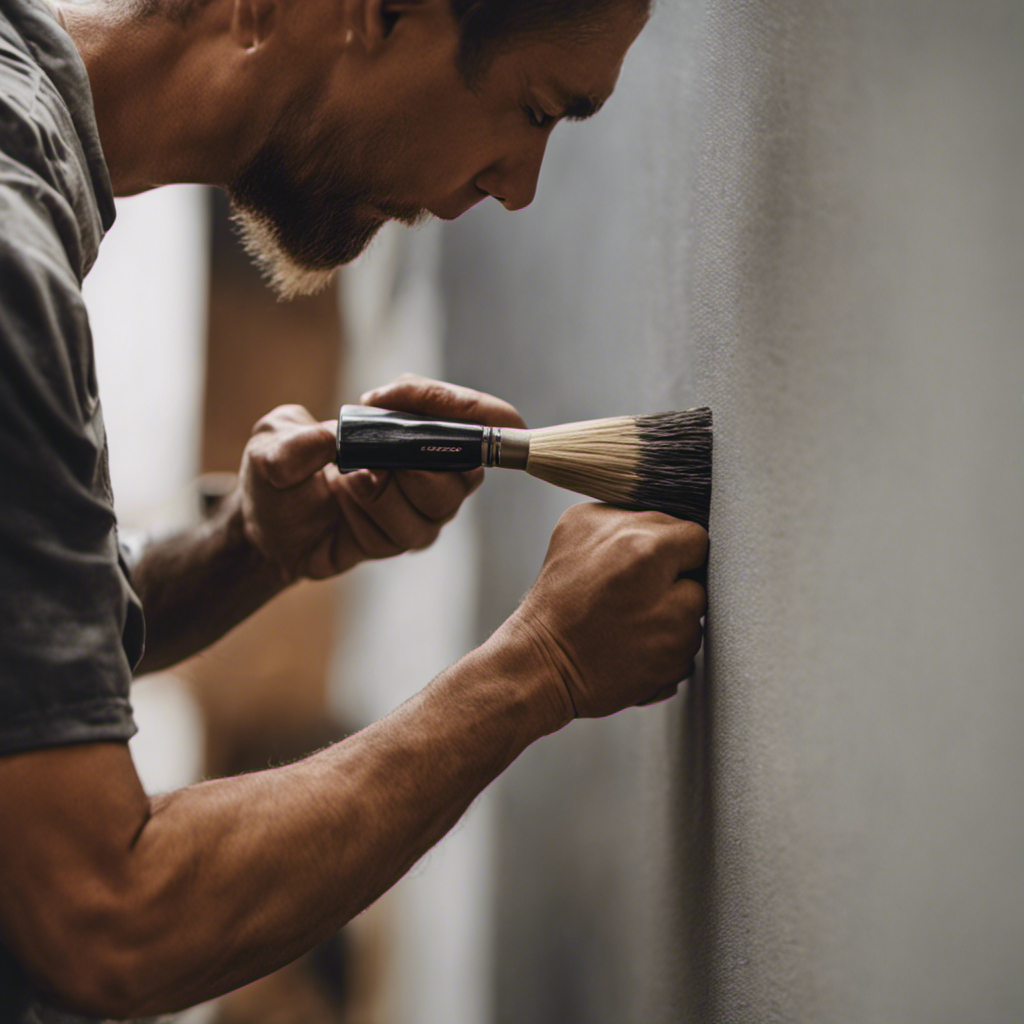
{"x": 438, "y": 448}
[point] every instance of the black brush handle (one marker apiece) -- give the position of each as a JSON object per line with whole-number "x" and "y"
{"x": 371, "y": 438}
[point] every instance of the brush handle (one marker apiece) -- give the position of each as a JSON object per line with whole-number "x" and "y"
{"x": 370, "y": 438}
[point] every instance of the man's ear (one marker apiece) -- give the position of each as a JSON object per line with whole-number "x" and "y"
{"x": 252, "y": 22}
{"x": 375, "y": 20}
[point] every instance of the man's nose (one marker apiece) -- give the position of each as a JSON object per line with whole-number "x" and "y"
{"x": 512, "y": 180}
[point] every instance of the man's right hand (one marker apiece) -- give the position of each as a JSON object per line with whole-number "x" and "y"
{"x": 609, "y": 613}
{"x": 121, "y": 906}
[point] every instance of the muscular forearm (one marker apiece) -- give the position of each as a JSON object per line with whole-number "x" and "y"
{"x": 230, "y": 879}
{"x": 196, "y": 585}
{"x": 117, "y": 905}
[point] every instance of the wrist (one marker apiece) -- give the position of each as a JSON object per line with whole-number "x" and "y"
{"x": 519, "y": 657}
{"x": 227, "y": 528}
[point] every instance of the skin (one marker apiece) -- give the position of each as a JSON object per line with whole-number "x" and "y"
{"x": 120, "y": 905}
{"x": 373, "y": 123}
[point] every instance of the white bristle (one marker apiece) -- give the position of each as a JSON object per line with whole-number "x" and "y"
{"x": 594, "y": 457}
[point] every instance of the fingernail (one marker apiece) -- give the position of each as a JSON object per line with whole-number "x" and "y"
{"x": 367, "y": 397}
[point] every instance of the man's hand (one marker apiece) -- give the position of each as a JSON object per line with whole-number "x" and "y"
{"x": 311, "y": 520}
{"x": 609, "y": 612}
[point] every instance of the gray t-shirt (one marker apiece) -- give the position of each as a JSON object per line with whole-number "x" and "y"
{"x": 71, "y": 628}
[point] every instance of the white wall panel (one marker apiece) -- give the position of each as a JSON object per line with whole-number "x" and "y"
{"x": 147, "y": 303}
{"x": 809, "y": 216}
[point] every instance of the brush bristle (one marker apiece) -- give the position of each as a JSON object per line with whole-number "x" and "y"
{"x": 674, "y": 471}
{"x": 660, "y": 462}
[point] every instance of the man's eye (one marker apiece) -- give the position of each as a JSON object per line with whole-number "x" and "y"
{"x": 538, "y": 118}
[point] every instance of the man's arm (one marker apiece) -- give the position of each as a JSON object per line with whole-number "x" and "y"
{"x": 198, "y": 584}
{"x": 117, "y": 905}
{"x": 294, "y": 515}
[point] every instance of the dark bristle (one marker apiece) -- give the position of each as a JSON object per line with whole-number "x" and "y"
{"x": 674, "y": 471}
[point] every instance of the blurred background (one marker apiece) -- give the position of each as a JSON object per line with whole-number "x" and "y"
{"x": 810, "y": 220}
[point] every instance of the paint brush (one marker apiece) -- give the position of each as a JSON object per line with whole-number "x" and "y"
{"x": 660, "y": 461}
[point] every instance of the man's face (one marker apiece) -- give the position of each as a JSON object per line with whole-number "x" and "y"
{"x": 396, "y": 134}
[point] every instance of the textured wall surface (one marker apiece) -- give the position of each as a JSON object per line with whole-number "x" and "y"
{"x": 556, "y": 309}
{"x": 809, "y": 216}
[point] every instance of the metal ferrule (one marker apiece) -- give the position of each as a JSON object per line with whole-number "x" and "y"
{"x": 507, "y": 447}
{"x": 490, "y": 445}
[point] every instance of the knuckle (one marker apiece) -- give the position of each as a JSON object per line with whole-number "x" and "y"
{"x": 694, "y": 597}
{"x": 295, "y": 413}
{"x": 466, "y": 403}
{"x": 264, "y": 424}
{"x": 282, "y": 417}
{"x": 436, "y": 392}
{"x": 437, "y": 505}
{"x": 637, "y": 544}
{"x": 256, "y": 457}
{"x": 380, "y": 547}
{"x": 566, "y": 523}
{"x": 267, "y": 463}
{"x": 582, "y": 512}
{"x": 696, "y": 539}
{"x": 573, "y": 526}
{"x": 423, "y": 538}
{"x": 471, "y": 407}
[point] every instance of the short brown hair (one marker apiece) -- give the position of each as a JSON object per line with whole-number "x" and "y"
{"x": 488, "y": 26}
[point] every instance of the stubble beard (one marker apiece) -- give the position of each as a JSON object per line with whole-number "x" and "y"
{"x": 300, "y": 212}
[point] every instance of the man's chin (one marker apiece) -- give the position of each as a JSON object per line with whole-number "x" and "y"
{"x": 287, "y": 276}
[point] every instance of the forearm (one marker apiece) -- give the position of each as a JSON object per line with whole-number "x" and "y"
{"x": 233, "y": 878}
{"x": 198, "y": 584}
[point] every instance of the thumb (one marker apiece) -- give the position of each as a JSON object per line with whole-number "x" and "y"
{"x": 289, "y": 454}
{"x": 410, "y": 393}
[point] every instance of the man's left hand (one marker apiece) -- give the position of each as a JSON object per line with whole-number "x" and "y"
{"x": 311, "y": 520}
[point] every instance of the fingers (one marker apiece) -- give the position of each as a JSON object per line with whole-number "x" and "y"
{"x": 411, "y": 393}
{"x": 369, "y": 538}
{"x": 665, "y": 693}
{"x": 691, "y": 598}
{"x": 671, "y": 547}
{"x": 389, "y": 521}
{"x": 437, "y": 496}
{"x": 288, "y": 446}
{"x": 684, "y": 607}
{"x": 685, "y": 543}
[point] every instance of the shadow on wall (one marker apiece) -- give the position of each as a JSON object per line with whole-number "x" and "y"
{"x": 561, "y": 310}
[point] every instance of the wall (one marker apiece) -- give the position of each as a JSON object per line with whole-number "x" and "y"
{"x": 147, "y": 307}
{"x": 809, "y": 217}
{"x": 437, "y": 968}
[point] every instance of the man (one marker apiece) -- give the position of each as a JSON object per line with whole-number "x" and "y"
{"x": 323, "y": 119}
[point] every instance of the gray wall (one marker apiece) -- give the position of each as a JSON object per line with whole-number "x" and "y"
{"x": 810, "y": 217}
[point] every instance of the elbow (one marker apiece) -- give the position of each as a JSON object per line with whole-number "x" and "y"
{"x": 94, "y": 986}
{"x": 85, "y": 965}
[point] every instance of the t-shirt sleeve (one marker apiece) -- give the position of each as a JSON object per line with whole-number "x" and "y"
{"x": 71, "y": 628}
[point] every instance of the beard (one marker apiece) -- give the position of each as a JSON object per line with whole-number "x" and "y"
{"x": 299, "y": 210}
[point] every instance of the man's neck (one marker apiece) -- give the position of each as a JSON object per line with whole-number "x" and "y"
{"x": 167, "y": 103}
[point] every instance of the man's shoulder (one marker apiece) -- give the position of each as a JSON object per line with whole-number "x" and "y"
{"x": 31, "y": 122}
{"x": 22, "y": 95}
{"x": 52, "y": 172}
